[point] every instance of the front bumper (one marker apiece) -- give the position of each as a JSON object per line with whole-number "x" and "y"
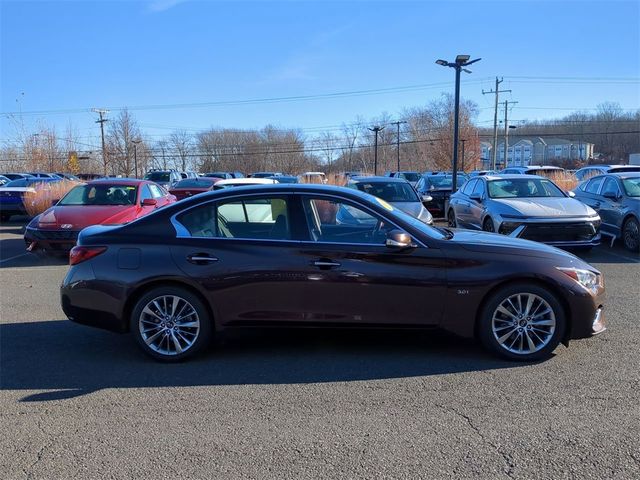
{"x": 49, "y": 239}
{"x": 557, "y": 233}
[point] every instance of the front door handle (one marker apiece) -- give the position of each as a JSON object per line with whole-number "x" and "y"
{"x": 200, "y": 258}
{"x": 326, "y": 263}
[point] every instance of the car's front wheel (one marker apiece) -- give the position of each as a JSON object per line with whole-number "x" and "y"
{"x": 631, "y": 235}
{"x": 522, "y": 322}
{"x": 451, "y": 218}
{"x": 487, "y": 225}
{"x": 170, "y": 323}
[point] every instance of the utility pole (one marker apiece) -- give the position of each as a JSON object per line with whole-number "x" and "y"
{"x": 463, "y": 140}
{"x": 494, "y": 152}
{"x": 101, "y": 121}
{"x": 376, "y": 129}
{"x": 506, "y": 132}
{"x": 397, "y": 124}
{"x": 135, "y": 156}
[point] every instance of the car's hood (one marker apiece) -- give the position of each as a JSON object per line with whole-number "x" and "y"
{"x": 476, "y": 241}
{"x": 412, "y": 208}
{"x": 545, "y": 207}
{"x": 82, "y": 216}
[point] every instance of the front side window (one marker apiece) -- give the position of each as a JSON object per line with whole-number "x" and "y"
{"x": 594, "y": 185}
{"x": 341, "y": 222}
{"x": 468, "y": 187}
{"x": 610, "y": 187}
{"x": 249, "y": 218}
{"x": 479, "y": 188}
{"x": 156, "y": 191}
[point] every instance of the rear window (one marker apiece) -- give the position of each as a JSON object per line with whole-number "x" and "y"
{"x": 158, "y": 176}
{"x": 195, "y": 183}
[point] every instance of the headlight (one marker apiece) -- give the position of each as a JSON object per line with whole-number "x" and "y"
{"x": 507, "y": 227}
{"x": 586, "y": 278}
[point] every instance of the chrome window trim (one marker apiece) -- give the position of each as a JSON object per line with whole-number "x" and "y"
{"x": 183, "y": 233}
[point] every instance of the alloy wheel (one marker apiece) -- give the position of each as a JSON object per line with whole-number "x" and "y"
{"x": 631, "y": 235}
{"x": 523, "y": 323}
{"x": 487, "y": 225}
{"x": 169, "y": 325}
{"x": 451, "y": 219}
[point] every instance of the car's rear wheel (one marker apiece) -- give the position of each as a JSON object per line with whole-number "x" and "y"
{"x": 451, "y": 218}
{"x": 170, "y": 323}
{"x": 487, "y": 225}
{"x": 522, "y": 322}
{"x": 631, "y": 235}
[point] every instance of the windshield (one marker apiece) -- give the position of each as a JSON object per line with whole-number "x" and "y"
{"x": 158, "y": 177}
{"x": 195, "y": 183}
{"x": 100, "y": 195}
{"x": 523, "y": 188}
{"x": 26, "y": 182}
{"x": 445, "y": 181}
{"x": 632, "y": 186}
{"x": 410, "y": 176}
{"x": 264, "y": 174}
{"x": 216, "y": 175}
{"x": 389, "y": 191}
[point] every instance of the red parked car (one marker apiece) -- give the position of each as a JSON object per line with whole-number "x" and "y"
{"x": 193, "y": 186}
{"x": 99, "y": 202}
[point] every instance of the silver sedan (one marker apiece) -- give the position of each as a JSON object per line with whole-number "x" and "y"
{"x": 529, "y": 207}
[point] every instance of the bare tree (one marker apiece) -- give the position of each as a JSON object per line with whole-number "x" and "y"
{"x": 123, "y": 130}
{"x": 182, "y": 144}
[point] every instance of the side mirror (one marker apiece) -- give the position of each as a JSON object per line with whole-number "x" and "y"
{"x": 571, "y": 194}
{"x": 476, "y": 197}
{"x": 426, "y": 198}
{"x": 399, "y": 239}
{"x": 149, "y": 202}
{"x": 610, "y": 195}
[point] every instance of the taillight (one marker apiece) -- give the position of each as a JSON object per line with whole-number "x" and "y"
{"x": 80, "y": 254}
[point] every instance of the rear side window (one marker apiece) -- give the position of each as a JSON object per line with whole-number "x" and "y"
{"x": 249, "y": 218}
{"x": 594, "y": 185}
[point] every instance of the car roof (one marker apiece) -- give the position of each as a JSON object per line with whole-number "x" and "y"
{"x": 510, "y": 176}
{"x": 623, "y": 175}
{"x": 380, "y": 179}
{"x": 246, "y": 181}
{"x": 117, "y": 181}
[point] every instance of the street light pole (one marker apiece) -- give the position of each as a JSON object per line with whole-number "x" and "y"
{"x": 397, "y": 124}
{"x": 461, "y": 61}
{"x": 463, "y": 140}
{"x": 135, "y": 156}
{"x": 375, "y": 129}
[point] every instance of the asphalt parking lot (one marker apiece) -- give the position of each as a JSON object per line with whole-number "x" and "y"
{"x": 83, "y": 403}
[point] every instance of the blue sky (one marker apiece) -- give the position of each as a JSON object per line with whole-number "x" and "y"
{"x": 78, "y": 55}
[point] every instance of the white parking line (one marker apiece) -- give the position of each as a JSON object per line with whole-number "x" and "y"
{"x": 13, "y": 258}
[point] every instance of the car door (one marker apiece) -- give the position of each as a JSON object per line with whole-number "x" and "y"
{"x": 242, "y": 252}
{"x": 353, "y": 278}
{"x": 159, "y": 194}
{"x": 461, "y": 203}
{"x": 610, "y": 211}
{"x": 589, "y": 194}
{"x": 477, "y": 207}
{"x": 145, "y": 193}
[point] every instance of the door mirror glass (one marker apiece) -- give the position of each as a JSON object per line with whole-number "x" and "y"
{"x": 149, "y": 202}
{"x": 571, "y": 194}
{"x": 399, "y": 239}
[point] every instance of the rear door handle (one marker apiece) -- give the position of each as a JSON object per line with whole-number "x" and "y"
{"x": 200, "y": 258}
{"x": 326, "y": 263}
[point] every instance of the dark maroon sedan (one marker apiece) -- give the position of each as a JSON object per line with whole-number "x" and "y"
{"x": 278, "y": 255}
{"x": 193, "y": 186}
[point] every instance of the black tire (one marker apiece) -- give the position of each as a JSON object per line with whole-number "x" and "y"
{"x": 631, "y": 235}
{"x": 451, "y": 218}
{"x": 544, "y": 337}
{"x": 487, "y": 225}
{"x": 167, "y": 328}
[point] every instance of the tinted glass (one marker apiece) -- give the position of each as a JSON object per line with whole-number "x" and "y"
{"x": 389, "y": 191}
{"x": 632, "y": 186}
{"x": 610, "y": 186}
{"x": 194, "y": 183}
{"x": 18, "y": 183}
{"x": 445, "y": 181}
{"x": 340, "y": 222}
{"x": 479, "y": 188}
{"x": 146, "y": 193}
{"x": 100, "y": 195}
{"x": 156, "y": 191}
{"x": 158, "y": 176}
{"x": 594, "y": 185}
{"x": 410, "y": 176}
{"x": 468, "y": 187}
{"x": 254, "y": 218}
{"x": 523, "y": 188}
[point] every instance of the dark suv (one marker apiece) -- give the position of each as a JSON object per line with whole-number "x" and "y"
{"x": 165, "y": 178}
